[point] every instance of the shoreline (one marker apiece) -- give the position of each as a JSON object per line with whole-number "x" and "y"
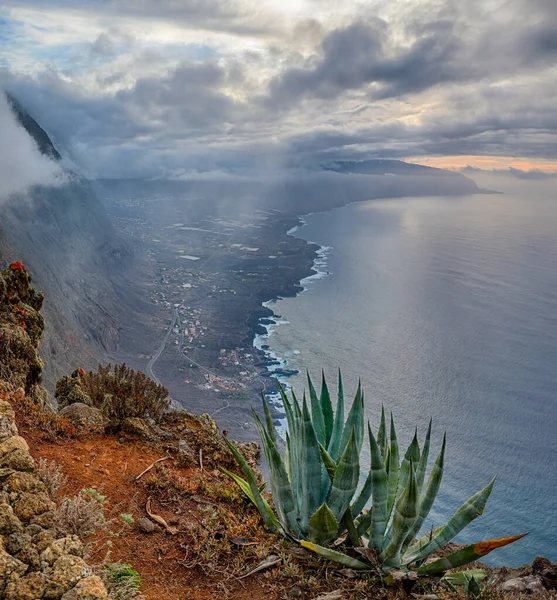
{"x": 278, "y": 362}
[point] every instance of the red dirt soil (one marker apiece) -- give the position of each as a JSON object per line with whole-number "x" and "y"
{"x": 111, "y": 466}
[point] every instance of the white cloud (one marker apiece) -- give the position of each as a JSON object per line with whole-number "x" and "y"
{"x": 21, "y": 164}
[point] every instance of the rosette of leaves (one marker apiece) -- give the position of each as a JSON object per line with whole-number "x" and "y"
{"x": 318, "y": 499}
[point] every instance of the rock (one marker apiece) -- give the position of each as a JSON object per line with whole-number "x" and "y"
{"x": 30, "y": 505}
{"x": 295, "y": 592}
{"x": 33, "y": 530}
{"x": 90, "y": 588}
{"x": 8, "y": 428}
{"x": 531, "y": 584}
{"x": 44, "y": 539}
{"x": 14, "y": 542}
{"x": 9, "y": 523}
{"x": 70, "y": 545}
{"x": 83, "y": 417}
{"x": 138, "y": 428}
{"x": 29, "y": 587}
{"x": 68, "y": 391}
{"x": 16, "y": 442}
{"x": 11, "y": 569}
{"x": 546, "y": 571}
{"x": 24, "y": 482}
{"x": 19, "y": 460}
{"x": 47, "y": 520}
{"x": 67, "y": 571}
{"x": 30, "y": 556}
{"x": 145, "y": 525}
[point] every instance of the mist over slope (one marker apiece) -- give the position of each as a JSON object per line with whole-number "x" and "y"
{"x": 62, "y": 233}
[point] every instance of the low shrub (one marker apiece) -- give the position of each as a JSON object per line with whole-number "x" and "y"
{"x": 118, "y": 391}
{"x": 52, "y": 475}
{"x": 83, "y": 514}
{"x": 122, "y": 581}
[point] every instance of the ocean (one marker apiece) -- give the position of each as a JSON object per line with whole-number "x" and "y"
{"x": 446, "y": 307}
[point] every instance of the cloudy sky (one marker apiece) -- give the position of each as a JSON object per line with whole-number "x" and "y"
{"x": 161, "y": 88}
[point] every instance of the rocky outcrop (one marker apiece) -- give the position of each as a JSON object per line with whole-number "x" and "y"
{"x": 37, "y": 560}
{"x": 21, "y": 329}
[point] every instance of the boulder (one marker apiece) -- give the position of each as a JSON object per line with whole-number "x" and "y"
{"x": 11, "y": 569}
{"x": 90, "y": 588}
{"x": 138, "y": 428}
{"x": 67, "y": 571}
{"x": 24, "y": 482}
{"x": 531, "y": 584}
{"x": 19, "y": 460}
{"x": 9, "y": 523}
{"x": 546, "y": 571}
{"x": 28, "y": 587}
{"x": 7, "y": 428}
{"x": 70, "y": 545}
{"x": 83, "y": 417}
{"x": 30, "y": 505}
{"x": 145, "y": 525}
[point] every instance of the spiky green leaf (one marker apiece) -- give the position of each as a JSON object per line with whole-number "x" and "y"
{"x": 327, "y": 410}
{"x": 470, "y": 510}
{"x": 429, "y": 494}
{"x": 405, "y": 515}
{"x": 379, "y": 484}
{"x": 345, "y": 479}
{"x": 264, "y": 510}
{"x": 334, "y": 556}
{"x": 465, "y": 556}
{"x": 322, "y": 526}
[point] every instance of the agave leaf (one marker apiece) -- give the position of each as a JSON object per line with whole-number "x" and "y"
{"x": 262, "y": 506}
{"x": 348, "y": 523}
{"x": 311, "y": 467}
{"x": 470, "y": 510}
{"x": 288, "y": 458}
{"x": 335, "y": 556}
{"x": 363, "y": 497}
{"x": 269, "y": 419}
{"x": 405, "y": 515}
{"x": 363, "y": 523}
{"x": 466, "y": 555}
{"x": 280, "y": 484}
{"x": 327, "y": 409}
{"x": 355, "y": 420}
{"x": 379, "y": 485}
{"x": 412, "y": 456}
{"x": 345, "y": 479}
{"x": 294, "y": 433}
{"x": 316, "y": 413}
{"x": 393, "y": 467}
{"x": 329, "y": 463}
{"x": 336, "y": 434}
{"x": 244, "y": 486}
{"x": 322, "y": 525}
{"x": 382, "y": 440}
{"x": 422, "y": 466}
{"x": 428, "y": 496}
{"x": 460, "y": 577}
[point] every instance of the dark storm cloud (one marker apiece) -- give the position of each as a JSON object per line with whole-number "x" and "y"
{"x": 358, "y": 55}
{"x": 437, "y": 77}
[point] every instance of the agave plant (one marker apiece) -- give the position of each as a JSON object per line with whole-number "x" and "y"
{"x": 315, "y": 488}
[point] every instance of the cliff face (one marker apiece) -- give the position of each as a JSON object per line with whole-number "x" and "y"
{"x": 63, "y": 234}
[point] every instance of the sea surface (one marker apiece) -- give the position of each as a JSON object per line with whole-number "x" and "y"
{"x": 446, "y": 307}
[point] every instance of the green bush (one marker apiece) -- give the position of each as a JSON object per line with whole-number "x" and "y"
{"x": 118, "y": 391}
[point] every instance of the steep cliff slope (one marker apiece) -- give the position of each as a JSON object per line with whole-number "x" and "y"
{"x": 65, "y": 238}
